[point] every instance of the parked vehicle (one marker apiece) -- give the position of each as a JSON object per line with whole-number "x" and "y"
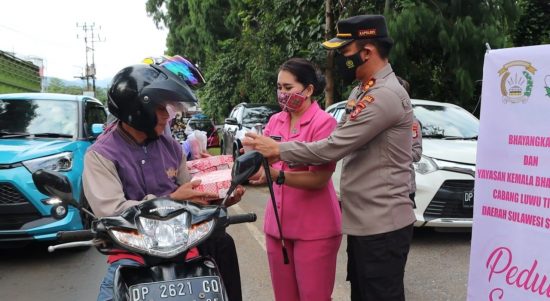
{"x": 242, "y": 119}
{"x": 42, "y": 131}
{"x": 201, "y": 122}
{"x": 445, "y": 174}
{"x": 162, "y": 231}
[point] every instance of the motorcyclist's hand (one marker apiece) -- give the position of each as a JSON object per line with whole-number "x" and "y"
{"x": 186, "y": 192}
{"x": 237, "y": 195}
{"x": 268, "y": 147}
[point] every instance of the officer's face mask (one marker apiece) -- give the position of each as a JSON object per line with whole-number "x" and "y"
{"x": 347, "y": 65}
{"x": 290, "y": 101}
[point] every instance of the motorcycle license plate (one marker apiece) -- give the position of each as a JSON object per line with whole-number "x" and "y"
{"x": 189, "y": 289}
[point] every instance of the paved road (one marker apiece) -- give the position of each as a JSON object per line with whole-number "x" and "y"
{"x": 437, "y": 269}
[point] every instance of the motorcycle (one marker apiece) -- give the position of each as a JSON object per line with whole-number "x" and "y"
{"x": 162, "y": 231}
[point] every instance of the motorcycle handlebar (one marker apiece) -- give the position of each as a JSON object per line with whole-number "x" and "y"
{"x": 241, "y": 218}
{"x": 80, "y": 235}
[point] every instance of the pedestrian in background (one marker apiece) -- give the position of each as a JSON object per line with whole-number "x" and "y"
{"x": 375, "y": 141}
{"x": 305, "y": 197}
{"x": 416, "y": 144}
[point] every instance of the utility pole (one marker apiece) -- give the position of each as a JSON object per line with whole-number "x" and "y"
{"x": 90, "y": 71}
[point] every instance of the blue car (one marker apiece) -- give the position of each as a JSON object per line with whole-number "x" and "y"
{"x": 42, "y": 131}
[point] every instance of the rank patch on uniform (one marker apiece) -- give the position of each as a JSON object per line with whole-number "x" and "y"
{"x": 358, "y": 108}
{"x": 368, "y": 85}
{"x": 368, "y": 98}
{"x": 415, "y": 130}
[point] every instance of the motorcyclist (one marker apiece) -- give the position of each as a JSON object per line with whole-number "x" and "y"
{"x": 135, "y": 160}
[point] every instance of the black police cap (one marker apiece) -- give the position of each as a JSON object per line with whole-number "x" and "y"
{"x": 358, "y": 28}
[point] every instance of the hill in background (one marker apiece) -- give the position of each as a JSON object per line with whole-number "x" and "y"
{"x": 100, "y": 83}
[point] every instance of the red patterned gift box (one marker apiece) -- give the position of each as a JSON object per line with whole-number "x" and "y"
{"x": 209, "y": 164}
{"x": 217, "y": 182}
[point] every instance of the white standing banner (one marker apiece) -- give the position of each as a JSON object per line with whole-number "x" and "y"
{"x": 510, "y": 254}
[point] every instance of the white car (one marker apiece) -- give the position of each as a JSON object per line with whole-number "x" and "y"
{"x": 445, "y": 174}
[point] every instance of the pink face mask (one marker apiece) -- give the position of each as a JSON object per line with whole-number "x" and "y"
{"x": 290, "y": 101}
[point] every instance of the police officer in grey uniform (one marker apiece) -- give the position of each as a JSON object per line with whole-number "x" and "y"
{"x": 375, "y": 141}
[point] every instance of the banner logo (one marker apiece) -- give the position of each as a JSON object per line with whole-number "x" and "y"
{"x": 516, "y": 81}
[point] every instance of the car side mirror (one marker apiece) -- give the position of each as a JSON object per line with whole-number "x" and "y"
{"x": 231, "y": 121}
{"x": 97, "y": 129}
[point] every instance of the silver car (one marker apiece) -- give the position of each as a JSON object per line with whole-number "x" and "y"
{"x": 445, "y": 174}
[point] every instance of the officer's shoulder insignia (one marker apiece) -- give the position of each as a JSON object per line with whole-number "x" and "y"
{"x": 415, "y": 130}
{"x": 358, "y": 108}
{"x": 367, "y": 85}
{"x": 368, "y": 98}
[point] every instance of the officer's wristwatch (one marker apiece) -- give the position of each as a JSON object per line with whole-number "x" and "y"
{"x": 281, "y": 178}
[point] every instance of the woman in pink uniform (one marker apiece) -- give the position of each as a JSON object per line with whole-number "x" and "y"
{"x": 305, "y": 197}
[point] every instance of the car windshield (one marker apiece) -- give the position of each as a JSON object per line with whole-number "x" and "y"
{"x": 446, "y": 122}
{"x": 202, "y": 125}
{"x": 38, "y": 117}
{"x": 261, "y": 114}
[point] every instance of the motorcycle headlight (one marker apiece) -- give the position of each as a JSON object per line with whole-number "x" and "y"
{"x": 57, "y": 162}
{"x": 425, "y": 165}
{"x": 164, "y": 238}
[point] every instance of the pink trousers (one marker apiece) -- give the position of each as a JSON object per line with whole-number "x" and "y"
{"x": 310, "y": 274}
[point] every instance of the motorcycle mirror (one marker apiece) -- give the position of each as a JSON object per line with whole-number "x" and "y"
{"x": 245, "y": 166}
{"x": 54, "y": 184}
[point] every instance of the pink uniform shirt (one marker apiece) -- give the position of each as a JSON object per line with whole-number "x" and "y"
{"x": 306, "y": 214}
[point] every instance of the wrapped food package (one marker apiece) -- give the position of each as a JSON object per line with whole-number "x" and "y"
{"x": 217, "y": 182}
{"x": 209, "y": 164}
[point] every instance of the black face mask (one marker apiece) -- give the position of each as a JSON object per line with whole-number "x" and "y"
{"x": 347, "y": 65}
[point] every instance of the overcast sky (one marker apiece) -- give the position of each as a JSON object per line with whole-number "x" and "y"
{"x": 47, "y": 29}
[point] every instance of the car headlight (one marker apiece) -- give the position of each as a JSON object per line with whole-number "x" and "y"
{"x": 425, "y": 165}
{"x": 163, "y": 238}
{"x": 57, "y": 162}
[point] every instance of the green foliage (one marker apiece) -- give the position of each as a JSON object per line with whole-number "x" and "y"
{"x": 101, "y": 94}
{"x": 440, "y": 45}
{"x": 533, "y": 27}
{"x": 439, "y": 49}
{"x": 195, "y": 26}
{"x": 56, "y": 85}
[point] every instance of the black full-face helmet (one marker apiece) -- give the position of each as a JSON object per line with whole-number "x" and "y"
{"x": 136, "y": 91}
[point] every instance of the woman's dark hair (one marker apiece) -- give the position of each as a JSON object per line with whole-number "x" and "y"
{"x": 306, "y": 73}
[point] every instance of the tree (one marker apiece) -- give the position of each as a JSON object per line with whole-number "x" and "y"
{"x": 56, "y": 85}
{"x": 440, "y": 45}
{"x": 532, "y": 27}
{"x": 196, "y": 26}
{"x": 239, "y": 44}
